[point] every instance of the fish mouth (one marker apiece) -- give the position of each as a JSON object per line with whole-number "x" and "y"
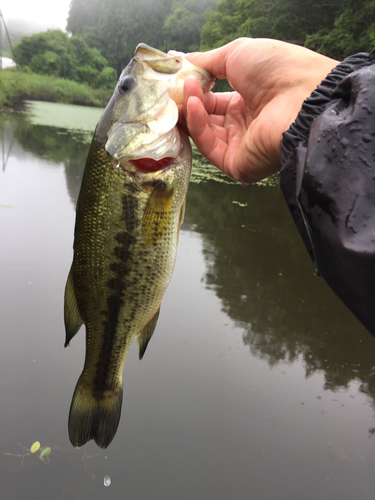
{"x": 140, "y": 166}
{"x": 144, "y": 165}
{"x": 147, "y": 145}
{"x": 149, "y": 165}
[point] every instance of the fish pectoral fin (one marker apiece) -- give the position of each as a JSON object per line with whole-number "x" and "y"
{"x": 72, "y": 318}
{"x": 144, "y": 336}
{"x": 157, "y": 214}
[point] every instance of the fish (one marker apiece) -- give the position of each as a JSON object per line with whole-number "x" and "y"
{"x": 129, "y": 212}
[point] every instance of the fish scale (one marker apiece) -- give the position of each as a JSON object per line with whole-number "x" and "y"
{"x": 125, "y": 244}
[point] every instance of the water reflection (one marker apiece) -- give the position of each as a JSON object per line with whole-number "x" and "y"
{"x": 56, "y": 145}
{"x": 286, "y": 311}
{"x": 255, "y": 262}
{"x": 230, "y": 393}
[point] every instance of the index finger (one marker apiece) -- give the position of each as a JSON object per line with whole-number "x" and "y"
{"x": 215, "y": 60}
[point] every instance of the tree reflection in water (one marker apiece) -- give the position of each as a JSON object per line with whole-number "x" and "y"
{"x": 256, "y": 264}
{"x": 260, "y": 270}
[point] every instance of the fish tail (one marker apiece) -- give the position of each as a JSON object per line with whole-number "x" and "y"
{"x": 94, "y": 416}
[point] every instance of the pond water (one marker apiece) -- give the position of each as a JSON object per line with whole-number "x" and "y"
{"x": 258, "y": 382}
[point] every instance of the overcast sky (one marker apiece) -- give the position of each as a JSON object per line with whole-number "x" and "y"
{"x": 45, "y": 12}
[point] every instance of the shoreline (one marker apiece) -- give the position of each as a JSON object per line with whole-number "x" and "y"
{"x": 17, "y": 87}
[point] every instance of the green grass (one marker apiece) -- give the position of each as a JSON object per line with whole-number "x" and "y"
{"x": 16, "y": 86}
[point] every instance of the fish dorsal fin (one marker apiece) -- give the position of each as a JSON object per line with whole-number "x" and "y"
{"x": 72, "y": 318}
{"x": 145, "y": 335}
{"x": 157, "y": 214}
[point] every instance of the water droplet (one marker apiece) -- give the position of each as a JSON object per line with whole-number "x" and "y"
{"x": 107, "y": 480}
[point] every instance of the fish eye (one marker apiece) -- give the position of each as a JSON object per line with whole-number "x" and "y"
{"x": 127, "y": 83}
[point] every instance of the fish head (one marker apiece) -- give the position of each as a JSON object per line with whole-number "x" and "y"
{"x": 139, "y": 126}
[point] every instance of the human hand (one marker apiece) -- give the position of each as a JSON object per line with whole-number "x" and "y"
{"x": 240, "y": 131}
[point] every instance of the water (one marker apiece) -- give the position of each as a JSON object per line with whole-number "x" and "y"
{"x": 258, "y": 382}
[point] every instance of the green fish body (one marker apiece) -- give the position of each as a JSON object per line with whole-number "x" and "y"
{"x": 129, "y": 213}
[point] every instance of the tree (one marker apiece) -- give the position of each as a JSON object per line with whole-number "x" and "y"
{"x": 289, "y": 20}
{"x": 223, "y": 25}
{"x": 83, "y": 13}
{"x": 182, "y": 28}
{"x": 117, "y": 26}
{"x": 353, "y": 31}
{"x": 53, "y": 52}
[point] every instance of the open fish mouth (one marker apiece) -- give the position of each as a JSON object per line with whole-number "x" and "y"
{"x": 145, "y": 165}
{"x": 155, "y": 146}
{"x": 151, "y": 161}
{"x": 148, "y": 145}
{"x": 149, "y": 165}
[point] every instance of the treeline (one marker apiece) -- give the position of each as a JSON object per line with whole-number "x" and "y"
{"x": 115, "y": 27}
{"x": 336, "y": 28}
{"x": 104, "y": 33}
{"x": 54, "y": 53}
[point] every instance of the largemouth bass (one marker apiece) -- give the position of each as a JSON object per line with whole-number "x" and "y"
{"x": 129, "y": 212}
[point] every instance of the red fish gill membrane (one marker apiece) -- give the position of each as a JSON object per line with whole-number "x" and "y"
{"x": 150, "y": 165}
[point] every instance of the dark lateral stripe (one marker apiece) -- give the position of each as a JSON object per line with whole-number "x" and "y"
{"x": 117, "y": 285}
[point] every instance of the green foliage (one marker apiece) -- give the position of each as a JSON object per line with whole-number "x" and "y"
{"x": 353, "y": 31}
{"x": 83, "y": 13}
{"x": 46, "y": 63}
{"x": 16, "y": 86}
{"x": 115, "y": 27}
{"x": 54, "y": 53}
{"x": 105, "y": 33}
{"x": 182, "y": 28}
{"x": 289, "y": 20}
{"x": 165, "y": 24}
{"x": 107, "y": 78}
{"x": 336, "y": 28}
{"x": 223, "y": 25}
{"x": 31, "y": 46}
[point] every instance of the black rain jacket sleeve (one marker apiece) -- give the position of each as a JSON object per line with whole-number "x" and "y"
{"x": 328, "y": 180}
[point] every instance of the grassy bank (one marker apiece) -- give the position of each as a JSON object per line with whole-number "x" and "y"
{"x": 16, "y": 86}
